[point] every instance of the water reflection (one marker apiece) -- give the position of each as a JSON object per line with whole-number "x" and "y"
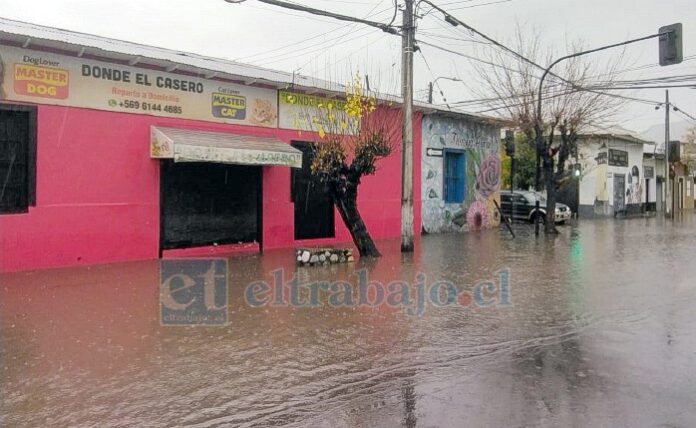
{"x": 599, "y": 333}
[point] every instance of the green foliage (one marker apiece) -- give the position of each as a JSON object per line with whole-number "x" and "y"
{"x": 525, "y": 169}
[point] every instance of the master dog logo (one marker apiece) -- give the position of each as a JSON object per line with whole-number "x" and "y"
{"x": 44, "y": 82}
{"x": 193, "y": 292}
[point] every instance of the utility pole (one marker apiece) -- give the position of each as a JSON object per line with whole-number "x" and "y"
{"x": 668, "y": 198}
{"x": 408, "y": 37}
{"x": 407, "y": 46}
{"x": 510, "y": 151}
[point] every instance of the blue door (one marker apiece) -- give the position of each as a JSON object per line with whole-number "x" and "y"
{"x": 454, "y": 163}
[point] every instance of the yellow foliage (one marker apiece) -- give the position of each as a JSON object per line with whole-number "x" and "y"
{"x": 351, "y": 138}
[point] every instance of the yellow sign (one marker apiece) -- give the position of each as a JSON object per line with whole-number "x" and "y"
{"x": 44, "y": 82}
{"x": 311, "y": 113}
{"x": 47, "y": 78}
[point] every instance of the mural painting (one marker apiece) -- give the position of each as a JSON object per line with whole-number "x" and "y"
{"x": 612, "y": 178}
{"x": 634, "y": 187}
{"x": 461, "y": 175}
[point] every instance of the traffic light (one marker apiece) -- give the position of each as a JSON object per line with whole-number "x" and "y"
{"x": 510, "y": 143}
{"x": 577, "y": 170}
{"x": 674, "y": 151}
{"x": 671, "y": 44}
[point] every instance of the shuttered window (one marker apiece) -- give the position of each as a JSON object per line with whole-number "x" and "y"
{"x": 17, "y": 158}
{"x": 454, "y": 163}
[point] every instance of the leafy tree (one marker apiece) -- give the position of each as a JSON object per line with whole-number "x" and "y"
{"x": 525, "y": 165}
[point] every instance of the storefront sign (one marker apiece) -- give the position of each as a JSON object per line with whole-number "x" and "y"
{"x": 311, "y": 113}
{"x": 46, "y": 78}
{"x": 648, "y": 171}
{"x": 195, "y": 153}
{"x": 618, "y": 157}
{"x": 462, "y": 142}
{"x": 185, "y": 145}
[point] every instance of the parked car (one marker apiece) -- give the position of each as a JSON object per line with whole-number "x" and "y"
{"x": 525, "y": 207}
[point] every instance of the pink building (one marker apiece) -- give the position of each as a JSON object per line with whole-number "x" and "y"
{"x": 112, "y": 151}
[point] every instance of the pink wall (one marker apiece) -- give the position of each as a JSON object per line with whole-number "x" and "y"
{"x": 97, "y": 192}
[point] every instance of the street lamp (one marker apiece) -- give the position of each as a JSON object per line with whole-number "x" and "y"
{"x": 673, "y": 33}
{"x": 430, "y": 88}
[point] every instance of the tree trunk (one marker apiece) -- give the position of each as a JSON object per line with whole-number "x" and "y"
{"x": 550, "y": 179}
{"x": 346, "y": 203}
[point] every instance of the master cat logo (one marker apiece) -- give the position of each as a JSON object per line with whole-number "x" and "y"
{"x": 229, "y": 106}
{"x": 44, "y": 82}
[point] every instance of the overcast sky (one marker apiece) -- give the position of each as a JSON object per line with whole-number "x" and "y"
{"x": 265, "y": 35}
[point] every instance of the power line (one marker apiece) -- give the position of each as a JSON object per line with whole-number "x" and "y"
{"x": 473, "y": 58}
{"x": 622, "y": 88}
{"x": 455, "y": 21}
{"x": 348, "y": 32}
{"x": 295, "y": 6}
{"x": 469, "y": 40}
{"x": 434, "y": 81}
{"x": 264, "y": 59}
{"x": 683, "y": 113}
{"x": 481, "y": 4}
{"x": 575, "y": 86}
{"x": 316, "y": 47}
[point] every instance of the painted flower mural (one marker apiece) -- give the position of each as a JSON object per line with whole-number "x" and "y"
{"x": 460, "y": 152}
{"x": 488, "y": 179}
{"x": 477, "y": 216}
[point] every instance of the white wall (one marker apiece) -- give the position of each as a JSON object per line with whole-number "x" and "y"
{"x": 597, "y": 182}
{"x": 652, "y": 188}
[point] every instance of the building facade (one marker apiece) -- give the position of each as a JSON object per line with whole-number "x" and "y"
{"x": 112, "y": 151}
{"x": 613, "y": 180}
{"x": 460, "y": 173}
{"x": 684, "y": 167}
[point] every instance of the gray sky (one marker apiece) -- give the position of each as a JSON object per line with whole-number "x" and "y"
{"x": 260, "y": 34}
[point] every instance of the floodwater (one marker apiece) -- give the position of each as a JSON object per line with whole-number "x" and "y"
{"x": 599, "y": 330}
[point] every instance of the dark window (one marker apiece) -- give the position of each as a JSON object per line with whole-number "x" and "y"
{"x": 314, "y": 210}
{"x": 454, "y": 163}
{"x": 520, "y": 199}
{"x": 504, "y": 197}
{"x": 208, "y": 203}
{"x": 17, "y": 158}
{"x": 618, "y": 157}
{"x": 648, "y": 171}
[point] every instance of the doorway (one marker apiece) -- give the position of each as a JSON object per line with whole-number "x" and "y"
{"x": 209, "y": 204}
{"x": 314, "y": 210}
{"x": 658, "y": 195}
{"x": 619, "y": 193}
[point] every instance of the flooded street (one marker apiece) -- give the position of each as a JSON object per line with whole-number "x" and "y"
{"x": 599, "y": 332}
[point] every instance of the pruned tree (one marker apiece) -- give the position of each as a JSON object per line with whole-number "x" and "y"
{"x": 569, "y": 107}
{"x": 353, "y": 136}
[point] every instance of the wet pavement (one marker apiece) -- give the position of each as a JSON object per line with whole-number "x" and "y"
{"x": 599, "y": 331}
